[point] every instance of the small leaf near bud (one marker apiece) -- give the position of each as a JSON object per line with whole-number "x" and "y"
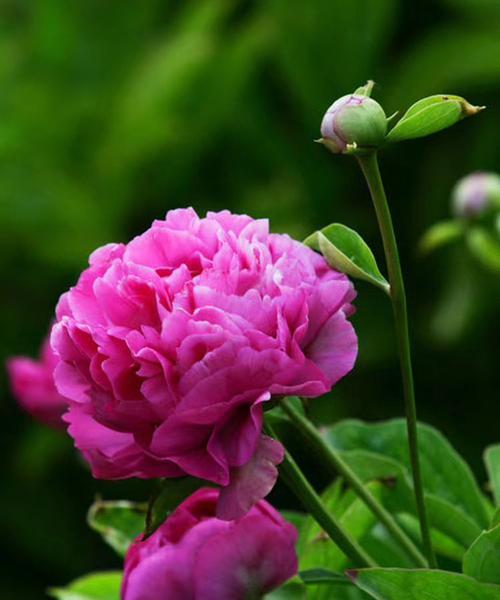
{"x": 345, "y": 250}
{"x": 118, "y": 521}
{"x": 430, "y": 115}
{"x": 476, "y": 194}
{"x": 441, "y": 234}
{"x": 97, "y": 586}
{"x": 353, "y": 124}
{"x": 485, "y": 247}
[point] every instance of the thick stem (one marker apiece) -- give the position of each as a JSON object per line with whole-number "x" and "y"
{"x": 370, "y": 168}
{"x": 338, "y": 466}
{"x": 300, "y": 486}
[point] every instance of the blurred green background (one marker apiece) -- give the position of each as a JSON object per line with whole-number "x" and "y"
{"x": 113, "y": 112}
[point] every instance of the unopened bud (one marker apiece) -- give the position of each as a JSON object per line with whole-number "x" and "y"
{"x": 475, "y": 194}
{"x": 353, "y": 123}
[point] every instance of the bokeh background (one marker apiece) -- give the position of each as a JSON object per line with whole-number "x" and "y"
{"x": 113, "y": 112}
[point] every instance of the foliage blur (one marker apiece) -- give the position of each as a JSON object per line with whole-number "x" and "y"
{"x": 113, "y": 112}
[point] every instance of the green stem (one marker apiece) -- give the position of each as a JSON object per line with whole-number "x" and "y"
{"x": 333, "y": 459}
{"x": 300, "y": 486}
{"x": 370, "y": 168}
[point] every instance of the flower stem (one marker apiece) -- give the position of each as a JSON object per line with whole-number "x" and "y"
{"x": 300, "y": 486}
{"x": 369, "y": 166}
{"x": 333, "y": 459}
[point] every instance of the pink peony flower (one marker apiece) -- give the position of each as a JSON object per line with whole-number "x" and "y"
{"x": 170, "y": 345}
{"x": 32, "y": 383}
{"x": 195, "y": 556}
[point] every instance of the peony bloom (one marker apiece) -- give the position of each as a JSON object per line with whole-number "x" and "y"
{"x": 195, "y": 556}
{"x": 170, "y": 345}
{"x": 32, "y": 383}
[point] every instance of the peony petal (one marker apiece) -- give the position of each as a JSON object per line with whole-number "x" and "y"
{"x": 234, "y": 441}
{"x": 251, "y": 482}
{"x": 335, "y": 348}
{"x": 249, "y": 560}
{"x": 113, "y": 454}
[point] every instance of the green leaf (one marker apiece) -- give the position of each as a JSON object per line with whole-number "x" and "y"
{"x": 291, "y": 590}
{"x": 319, "y": 555}
{"x": 452, "y": 532}
{"x": 298, "y": 519}
{"x": 172, "y": 493}
{"x": 496, "y": 518}
{"x": 492, "y": 462}
{"x": 396, "y": 490}
{"x": 485, "y": 247}
{"x": 431, "y": 102}
{"x": 430, "y": 115}
{"x": 420, "y": 584}
{"x": 443, "y": 544}
{"x": 118, "y": 521}
{"x": 345, "y": 250}
{"x": 489, "y": 507}
{"x": 316, "y": 549}
{"x": 310, "y": 529}
{"x": 440, "y": 234}
{"x": 482, "y": 559}
{"x": 380, "y": 543}
{"x": 451, "y": 520}
{"x": 96, "y": 586}
{"x": 445, "y": 473}
{"x": 294, "y": 517}
{"x": 322, "y": 576}
{"x": 458, "y": 528}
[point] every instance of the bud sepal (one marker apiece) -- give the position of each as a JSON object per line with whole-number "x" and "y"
{"x": 430, "y": 115}
{"x": 346, "y": 251}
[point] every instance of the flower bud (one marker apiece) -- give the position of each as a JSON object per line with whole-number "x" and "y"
{"x": 194, "y": 555}
{"x": 475, "y": 194}
{"x": 353, "y": 122}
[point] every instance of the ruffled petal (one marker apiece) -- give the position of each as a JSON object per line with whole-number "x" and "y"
{"x": 251, "y": 482}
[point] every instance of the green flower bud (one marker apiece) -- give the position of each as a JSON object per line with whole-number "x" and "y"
{"x": 354, "y": 123}
{"x": 476, "y": 194}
